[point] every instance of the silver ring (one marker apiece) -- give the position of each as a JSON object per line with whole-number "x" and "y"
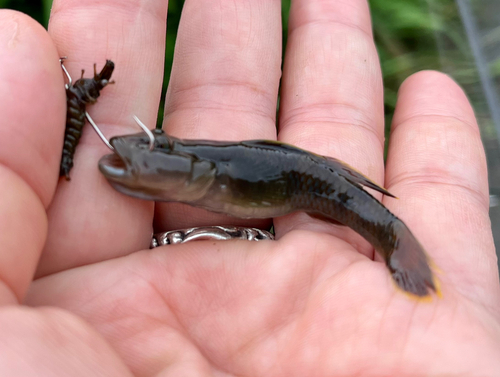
{"x": 210, "y": 233}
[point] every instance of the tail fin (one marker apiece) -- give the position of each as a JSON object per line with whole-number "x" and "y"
{"x": 410, "y": 265}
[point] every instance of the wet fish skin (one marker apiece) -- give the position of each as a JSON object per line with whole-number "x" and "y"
{"x": 263, "y": 179}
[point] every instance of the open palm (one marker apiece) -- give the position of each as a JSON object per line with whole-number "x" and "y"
{"x": 316, "y": 302}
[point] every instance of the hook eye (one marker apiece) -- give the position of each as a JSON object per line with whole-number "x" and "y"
{"x": 70, "y": 81}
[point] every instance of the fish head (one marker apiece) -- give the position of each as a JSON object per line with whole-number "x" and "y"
{"x": 159, "y": 174}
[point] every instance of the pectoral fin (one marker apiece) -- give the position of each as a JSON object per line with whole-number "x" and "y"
{"x": 202, "y": 177}
{"x": 354, "y": 176}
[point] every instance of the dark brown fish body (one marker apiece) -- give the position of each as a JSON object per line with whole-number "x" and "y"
{"x": 79, "y": 95}
{"x": 261, "y": 179}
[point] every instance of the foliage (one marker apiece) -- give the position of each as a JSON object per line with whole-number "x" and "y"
{"x": 30, "y": 7}
{"x": 411, "y": 35}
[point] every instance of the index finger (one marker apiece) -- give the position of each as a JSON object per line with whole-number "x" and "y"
{"x": 32, "y": 107}
{"x": 88, "y": 220}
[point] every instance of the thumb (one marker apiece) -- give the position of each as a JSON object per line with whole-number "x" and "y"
{"x": 32, "y": 105}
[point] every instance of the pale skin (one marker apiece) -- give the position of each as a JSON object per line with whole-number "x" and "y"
{"x": 82, "y": 295}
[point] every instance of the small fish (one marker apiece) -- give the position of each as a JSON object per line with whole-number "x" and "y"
{"x": 78, "y": 96}
{"x": 264, "y": 179}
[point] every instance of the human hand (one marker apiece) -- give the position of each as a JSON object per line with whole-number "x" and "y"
{"x": 311, "y": 303}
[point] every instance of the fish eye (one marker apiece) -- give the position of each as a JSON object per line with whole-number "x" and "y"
{"x": 162, "y": 145}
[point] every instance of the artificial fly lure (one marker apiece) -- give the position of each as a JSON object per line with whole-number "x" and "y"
{"x": 78, "y": 96}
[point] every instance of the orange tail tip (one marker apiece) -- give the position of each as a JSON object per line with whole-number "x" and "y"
{"x": 415, "y": 284}
{"x": 410, "y": 267}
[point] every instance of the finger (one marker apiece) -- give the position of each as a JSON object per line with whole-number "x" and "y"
{"x": 436, "y": 166}
{"x": 53, "y": 343}
{"x": 32, "y": 103}
{"x": 331, "y": 100}
{"x": 33, "y": 109}
{"x": 224, "y": 83}
{"x": 89, "y": 221}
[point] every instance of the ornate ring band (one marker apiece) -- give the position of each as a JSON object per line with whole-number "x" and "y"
{"x": 210, "y": 233}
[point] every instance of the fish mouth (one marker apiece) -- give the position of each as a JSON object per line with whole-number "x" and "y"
{"x": 113, "y": 166}
{"x": 116, "y": 166}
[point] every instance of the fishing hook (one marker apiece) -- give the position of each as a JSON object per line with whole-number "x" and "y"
{"x": 107, "y": 143}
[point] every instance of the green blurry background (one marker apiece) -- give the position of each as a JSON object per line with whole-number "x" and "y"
{"x": 459, "y": 37}
{"x": 408, "y": 34}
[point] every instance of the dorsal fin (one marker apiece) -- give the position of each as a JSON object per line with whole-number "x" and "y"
{"x": 354, "y": 176}
{"x": 341, "y": 168}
